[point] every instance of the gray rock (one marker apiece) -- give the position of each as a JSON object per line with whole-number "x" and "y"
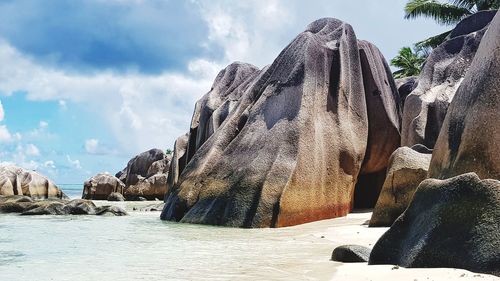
{"x": 100, "y": 186}
{"x": 18, "y": 181}
{"x": 115, "y": 196}
{"x": 469, "y": 139}
{"x": 425, "y": 108}
{"x": 28, "y": 207}
{"x": 406, "y": 86}
{"x": 291, "y": 149}
{"x": 407, "y": 169}
{"x": 449, "y": 223}
{"x": 139, "y": 165}
{"x": 351, "y": 253}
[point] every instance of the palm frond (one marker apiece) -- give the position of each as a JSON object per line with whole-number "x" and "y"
{"x": 467, "y": 4}
{"x": 487, "y": 4}
{"x": 433, "y": 41}
{"x": 441, "y": 12}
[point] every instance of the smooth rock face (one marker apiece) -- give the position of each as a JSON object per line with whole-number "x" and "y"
{"x": 449, "y": 223}
{"x": 139, "y": 166}
{"x": 406, "y": 86}
{"x": 351, "y": 253}
{"x": 150, "y": 188}
{"x": 294, "y": 144}
{"x": 178, "y": 163}
{"x": 425, "y": 108}
{"x": 100, "y": 186}
{"x": 213, "y": 108}
{"x": 384, "y": 119}
{"x": 115, "y": 196}
{"x": 470, "y": 138}
{"x": 18, "y": 181}
{"x": 53, "y": 206}
{"x": 407, "y": 169}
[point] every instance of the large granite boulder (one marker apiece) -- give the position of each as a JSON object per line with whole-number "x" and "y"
{"x": 213, "y": 108}
{"x": 151, "y": 188}
{"x": 178, "y": 162}
{"x": 139, "y": 166}
{"x": 54, "y": 206}
{"x": 406, "y": 86}
{"x": 425, "y": 108}
{"x": 407, "y": 169}
{"x": 470, "y": 137}
{"x": 100, "y": 186}
{"x": 291, "y": 149}
{"x": 449, "y": 223}
{"x": 18, "y": 181}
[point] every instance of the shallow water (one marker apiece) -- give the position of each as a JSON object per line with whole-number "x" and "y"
{"x": 142, "y": 247}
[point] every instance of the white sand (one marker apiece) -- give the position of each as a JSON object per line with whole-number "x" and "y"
{"x": 353, "y": 230}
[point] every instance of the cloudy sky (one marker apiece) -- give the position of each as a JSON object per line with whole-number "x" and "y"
{"x": 86, "y": 85}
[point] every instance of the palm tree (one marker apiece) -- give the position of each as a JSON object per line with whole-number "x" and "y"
{"x": 409, "y": 62}
{"x": 445, "y": 13}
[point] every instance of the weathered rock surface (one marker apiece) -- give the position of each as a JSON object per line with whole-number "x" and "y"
{"x": 27, "y": 206}
{"x": 178, "y": 163}
{"x": 449, "y": 223}
{"x": 150, "y": 188}
{"x": 406, "y": 86}
{"x": 407, "y": 169}
{"x": 470, "y": 138}
{"x": 425, "y": 108}
{"x": 18, "y": 181}
{"x": 351, "y": 253}
{"x": 291, "y": 149}
{"x": 139, "y": 166}
{"x": 100, "y": 186}
{"x": 115, "y": 196}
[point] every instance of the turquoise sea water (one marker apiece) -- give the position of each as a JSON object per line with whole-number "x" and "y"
{"x": 142, "y": 247}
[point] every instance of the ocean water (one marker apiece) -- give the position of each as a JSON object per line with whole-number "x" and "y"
{"x": 142, "y": 247}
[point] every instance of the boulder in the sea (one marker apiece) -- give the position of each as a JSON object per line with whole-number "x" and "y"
{"x": 407, "y": 169}
{"x": 140, "y": 165}
{"x": 449, "y": 223}
{"x": 291, "y": 149}
{"x": 151, "y": 188}
{"x": 18, "y": 181}
{"x": 54, "y": 206}
{"x": 100, "y": 186}
{"x": 469, "y": 140}
{"x": 426, "y": 106}
{"x": 351, "y": 253}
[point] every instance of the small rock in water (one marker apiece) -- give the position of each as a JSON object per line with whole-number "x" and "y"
{"x": 351, "y": 253}
{"x": 116, "y": 196}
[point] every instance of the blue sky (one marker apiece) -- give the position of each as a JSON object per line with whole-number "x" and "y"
{"x": 86, "y": 85}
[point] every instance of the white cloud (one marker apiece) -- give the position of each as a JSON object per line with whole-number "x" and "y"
{"x": 2, "y": 113}
{"x": 142, "y": 111}
{"x": 32, "y": 150}
{"x": 43, "y": 124}
{"x": 49, "y": 164}
{"x": 62, "y": 104}
{"x": 5, "y": 135}
{"x": 91, "y": 146}
{"x": 74, "y": 163}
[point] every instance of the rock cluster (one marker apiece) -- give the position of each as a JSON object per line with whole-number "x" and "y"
{"x": 452, "y": 219}
{"x": 18, "y": 181}
{"x": 286, "y": 144}
{"x": 27, "y": 206}
{"x": 144, "y": 178}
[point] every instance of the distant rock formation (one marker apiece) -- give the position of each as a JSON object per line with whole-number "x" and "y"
{"x": 426, "y": 106}
{"x": 100, "y": 186}
{"x": 407, "y": 169}
{"x": 27, "y": 206}
{"x": 18, "y": 181}
{"x": 285, "y": 145}
{"x": 144, "y": 177}
{"x": 449, "y": 223}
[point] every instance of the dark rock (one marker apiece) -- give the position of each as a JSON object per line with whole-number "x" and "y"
{"x": 100, "y": 186}
{"x": 407, "y": 169}
{"x": 351, "y": 253}
{"x": 291, "y": 149}
{"x": 469, "y": 139}
{"x": 52, "y": 206}
{"x": 425, "y": 108}
{"x": 449, "y": 223}
{"x": 406, "y": 86}
{"x": 115, "y": 196}
{"x": 140, "y": 164}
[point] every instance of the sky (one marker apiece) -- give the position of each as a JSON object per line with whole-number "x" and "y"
{"x": 87, "y": 84}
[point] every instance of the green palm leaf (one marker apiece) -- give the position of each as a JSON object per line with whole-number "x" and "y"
{"x": 441, "y": 12}
{"x": 433, "y": 41}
